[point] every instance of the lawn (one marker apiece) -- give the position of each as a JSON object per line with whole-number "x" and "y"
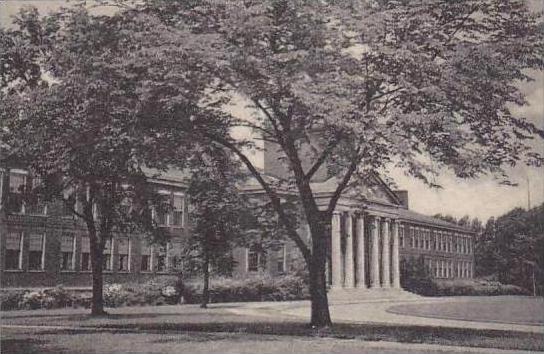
{"x": 517, "y": 310}
{"x": 218, "y": 320}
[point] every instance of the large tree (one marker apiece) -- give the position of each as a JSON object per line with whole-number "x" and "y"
{"x": 74, "y": 113}
{"x": 419, "y": 84}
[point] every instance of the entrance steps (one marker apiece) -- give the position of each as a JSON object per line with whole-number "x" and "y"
{"x": 354, "y": 295}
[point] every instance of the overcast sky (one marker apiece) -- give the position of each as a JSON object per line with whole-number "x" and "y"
{"x": 483, "y": 197}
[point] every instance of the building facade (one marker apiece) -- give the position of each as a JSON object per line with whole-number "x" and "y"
{"x": 372, "y": 234}
{"x": 44, "y": 245}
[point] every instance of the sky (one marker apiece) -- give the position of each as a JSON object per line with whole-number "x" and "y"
{"x": 483, "y": 197}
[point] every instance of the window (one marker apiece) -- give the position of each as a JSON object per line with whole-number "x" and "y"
{"x": 36, "y": 248}
{"x": 67, "y": 252}
{"x": 18, "y": 184}
{"x": 145, "y": 260}
{"x": 401, "y": 236}
{"x": 162, "y": 258}
{"x": 107, "y": 256}
{"x": 280, "y": 258}
{"x": 123, "y": 254}
{"x": 14, "y": 251}
{"x": 34, "y": 205}
{"x": 256, "y": 259}
{"x": 427, "y": 241}
{"x": 16, "y": 189}
{"x": 85, "y": 254}
{"x": 161, "y": 217}
{"x": 177, "y": 211}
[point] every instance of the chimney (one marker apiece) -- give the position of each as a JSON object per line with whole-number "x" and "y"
{"x": 403, "y": 197}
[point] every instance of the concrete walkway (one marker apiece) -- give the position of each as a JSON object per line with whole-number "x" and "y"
{"x": 376, "y": 312}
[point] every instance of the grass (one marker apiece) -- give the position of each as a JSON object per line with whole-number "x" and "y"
{"x": 178, "y": 319}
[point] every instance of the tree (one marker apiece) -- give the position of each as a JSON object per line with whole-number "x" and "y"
{"x": 74, "y": 112}
{"x": 218, "y": 212}
{"x": 357, "y": 87}
{"x": 513, "y": 252}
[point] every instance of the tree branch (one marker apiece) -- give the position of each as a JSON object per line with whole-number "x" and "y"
{"x": 326, "y": 152}
{"x": 342, "y": 185}
{"x": 274, "y": 198}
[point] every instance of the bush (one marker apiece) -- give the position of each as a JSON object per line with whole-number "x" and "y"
{"x": 38, "y": 299}
{"x": 256, "y": 288}
{"x": 10, "y": 300}
{"x": 475, "y": 287}
{"x": 160, "y": 290}
{"x": 416, "y": 277}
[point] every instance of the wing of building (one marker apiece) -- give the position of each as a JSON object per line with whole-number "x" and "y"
{"x": 372, "y": 233}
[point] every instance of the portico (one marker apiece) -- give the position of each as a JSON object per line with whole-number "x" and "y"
{"x": 364, "y": 251}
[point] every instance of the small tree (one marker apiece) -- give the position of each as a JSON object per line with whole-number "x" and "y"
{"x": 218, "y": 214}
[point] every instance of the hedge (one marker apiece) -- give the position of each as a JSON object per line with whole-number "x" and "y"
{"x": 162, "y": 290}
{"x": 255, "y": 288}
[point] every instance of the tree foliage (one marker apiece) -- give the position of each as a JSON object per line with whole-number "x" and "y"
{"x": 352, "y": 87}
{"x": 75, "y": 112}
{"x": 512, "y": 248}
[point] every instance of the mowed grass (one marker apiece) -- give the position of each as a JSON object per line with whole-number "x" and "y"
{"x": 191, "y": 319}
{"x": 514, "y": 309}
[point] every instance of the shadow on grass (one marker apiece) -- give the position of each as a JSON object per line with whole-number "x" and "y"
{"x": 201, "y": 322}
{"x": 24, "y": 346}
{"x": 407, "y": 334}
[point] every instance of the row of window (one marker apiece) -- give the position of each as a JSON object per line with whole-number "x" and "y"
{"x": 20, "y": 181}
{"x": 428, "y": 239}
{"x": 449, "y": 268}
{"x": 152, "y": 258}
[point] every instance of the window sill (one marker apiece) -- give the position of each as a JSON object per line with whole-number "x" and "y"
{"x": 123, "y": 272}
{"x": 68, "y": 271}
{"x": 36, "y": 271}
{"x": 146, "y": 271}
{"x": 13, "y": 270}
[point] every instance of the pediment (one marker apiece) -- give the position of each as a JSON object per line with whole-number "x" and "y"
{"x": 372, "y": 189}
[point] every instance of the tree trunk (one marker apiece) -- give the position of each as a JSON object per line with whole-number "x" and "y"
{"x": 97, "y": 301}
{"x": 206, "y": 287}
{"x": 320, "y": 315}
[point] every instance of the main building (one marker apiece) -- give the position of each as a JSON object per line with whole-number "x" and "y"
{"x": 372, "y": 233}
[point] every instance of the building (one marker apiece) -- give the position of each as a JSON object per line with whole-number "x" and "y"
{"x": 44, "y": 245}
{"x": 372, "y": 233}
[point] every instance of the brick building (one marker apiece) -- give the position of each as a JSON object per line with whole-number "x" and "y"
{"x": 372, "y": 232}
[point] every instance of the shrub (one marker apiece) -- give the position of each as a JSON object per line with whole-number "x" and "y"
{"x": 416, "y": 277}
{"x": 161, "y": 290}
{"x": 10, "y": 300}
{"x": 38, "y": 299}
{"x": 255, "y": 288}
{"x": 475, "y": 287}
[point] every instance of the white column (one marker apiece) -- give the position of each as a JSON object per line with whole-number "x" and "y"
{"x": 360, "y": 258}
{"x": 349, "y": 281}
{"x": 375, "y": 253}
{"x": 395, "y": 256}
{"x": 336, "y": 251}
{"x": 386, "y": 270}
